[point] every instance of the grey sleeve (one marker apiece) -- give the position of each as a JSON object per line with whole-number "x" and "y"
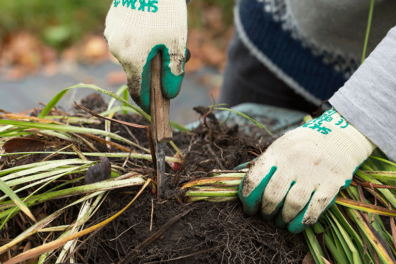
{"x": 368, "y": 98}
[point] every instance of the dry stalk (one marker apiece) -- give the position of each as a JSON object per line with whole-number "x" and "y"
{"x": 150, "y": 138}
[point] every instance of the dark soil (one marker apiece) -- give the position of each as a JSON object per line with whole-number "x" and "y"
{"x": 210, "y": 232}
{"x": 207, "y": 232}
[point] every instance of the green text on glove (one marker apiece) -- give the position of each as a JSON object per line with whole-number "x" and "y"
{"x": 317, "y": 124}
{"x": 150, "y": 4}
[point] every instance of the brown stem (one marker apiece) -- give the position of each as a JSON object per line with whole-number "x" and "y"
{"x": 127, "y": 124}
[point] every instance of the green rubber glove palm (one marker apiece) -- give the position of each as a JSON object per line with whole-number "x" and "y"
{"x": 136, "y": 30}
{"x": 301, "y": 173}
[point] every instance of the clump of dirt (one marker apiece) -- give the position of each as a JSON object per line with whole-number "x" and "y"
{"x": 208, "y": 232}
{"x": 94, "y": 102}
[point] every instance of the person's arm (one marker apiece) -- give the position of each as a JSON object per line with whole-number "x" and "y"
{"x": 301, "y": 173}
{"x": 368, "y": 98}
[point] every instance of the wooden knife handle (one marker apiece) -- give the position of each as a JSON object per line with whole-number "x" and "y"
{"x": 159, "y": 114}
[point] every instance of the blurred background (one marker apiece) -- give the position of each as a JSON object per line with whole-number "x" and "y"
{"x": 47, "y": 46}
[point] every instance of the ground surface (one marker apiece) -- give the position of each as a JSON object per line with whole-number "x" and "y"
{"x": 181, "y": 232}
{"x": 209, "y": 232}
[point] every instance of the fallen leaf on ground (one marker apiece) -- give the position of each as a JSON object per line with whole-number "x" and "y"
{"x": 23, "y": 145}
{"x": 16, "y": 145}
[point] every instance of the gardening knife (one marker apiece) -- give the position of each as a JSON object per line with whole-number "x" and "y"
{"x": 160, "y": 124}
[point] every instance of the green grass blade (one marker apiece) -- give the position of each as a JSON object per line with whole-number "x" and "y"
{"x": 314, "y": 246}
{"x": 96, "y": 187}
{"x": 372, "y": 236}
{"x": 348, "y": 233}
{"x": 31, "y": 165}
{"x": 126, "y": 98}
{"x": 377, "y": 153}
{"x": 44, "y": 167}
{"x": 59, "y": 96}
{"x": 366, "y": 166}
{"x": 370, "y": 209}
{"x": 38, "y": 176}
{"x": 341, "y": 243}
{"x": 370, "y": 162}
{"x": 384, "y": 160}
{"x": 178, "y": 126}
{"x": 337, "y": 252}
{"x": 213, "y": 193}
{"x": 110, "y": 105}
{"x": 96, "y": 154}
{"x": 124, "y": 102}
{"x": 389, "y": 237}
{"x": 221, "y": 199}
{"x": 52, "y": 103}
{"x": 216, "y": 105}
{"x": 74, "y": 169}
{"x": 382, "y": 175}
{"x": 4, "y": 128}
{"x": 370, "y": 17}
{"x": 61, "y": 135}
{"x": 20, "y": 134}
{"x": 39, "y": 225}
{"x": 236, "y": 174}
{"x": 7, "y": 190}
{"x": 377, "y": 226}
{"x": 76, "y": 120}
{"x": 307, "y": 118}
{"x": 74, "y": 129}
{"x": 6, "y": 133}
{"x": 120, "y": 91}
{"x": 389, "y": 196}
{"x": 30, "y": 186}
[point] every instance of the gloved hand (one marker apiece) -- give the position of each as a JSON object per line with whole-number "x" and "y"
{"x": 136, "y": 30}
{"x": 301, "y": 173}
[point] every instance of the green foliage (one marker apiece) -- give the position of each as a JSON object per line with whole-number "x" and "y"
{"x": 58, "y": 22}
{"x": 196, "y": 10}
{"x": 62, "y": 22}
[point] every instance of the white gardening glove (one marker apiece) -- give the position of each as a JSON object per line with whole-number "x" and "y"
{"x": 301, "y": 173}
{"x": 136, "y": 30}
